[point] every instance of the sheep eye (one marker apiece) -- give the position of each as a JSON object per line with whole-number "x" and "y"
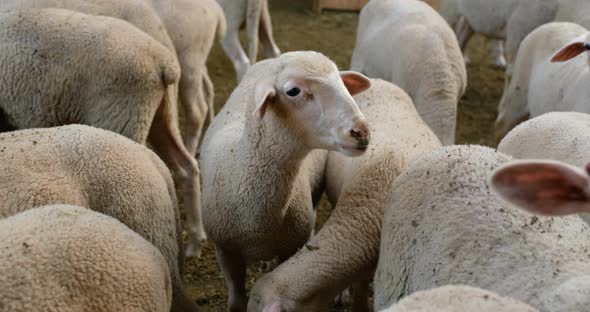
{"x": 293, "y": 92}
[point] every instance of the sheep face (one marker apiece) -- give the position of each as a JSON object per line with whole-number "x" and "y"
{"x": 316, "y": 102}
{"x": 268, "y": 296}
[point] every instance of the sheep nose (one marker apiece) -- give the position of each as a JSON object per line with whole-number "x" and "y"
{"x": 358, "y": 133}
{"x": 361, "y": 133}
{"x": 587, "y": 45}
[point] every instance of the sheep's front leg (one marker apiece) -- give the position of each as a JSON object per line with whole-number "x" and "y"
{"x": 233, "y": 267}
{"x": 167, "y": 143}
{"x": 498, "y": 53}
{"x": 464, "y": 33}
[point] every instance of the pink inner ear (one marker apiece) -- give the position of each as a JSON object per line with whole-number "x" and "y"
{"x": 263, "y": 97}
{"x": 543, "y": 188}
{"x": 569, "y": 52}
{"x": 355, "y": 83}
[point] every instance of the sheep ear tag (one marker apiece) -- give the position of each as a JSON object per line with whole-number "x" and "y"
{"x": 263, "y": 94}
{"x": 571, "y": 50}
{"x": 543, "y": 187}
{"x": 355, "y": 82}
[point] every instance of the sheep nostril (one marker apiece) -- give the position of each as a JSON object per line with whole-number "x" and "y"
{"x": 357, "y": 133}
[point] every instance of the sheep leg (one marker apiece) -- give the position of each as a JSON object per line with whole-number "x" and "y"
{"x": 464, "y": 33}
{"x": 210, "y": 94}
{"x": 233, "y": 267}
{"x": 233, "y": 49}
{"x": 167, "y": 143}
{"x": 195, "y": 106}
{"x": 360, "y": 297}
{"x": 343, "y": 298}
{"x": 498, "y": 53}
{"x": 270, "y": 47}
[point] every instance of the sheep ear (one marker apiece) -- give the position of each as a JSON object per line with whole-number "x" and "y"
{"x": 355, "y": 82}
{"x": 263, "y": 94}
{"x": 543, "y": 187}
{"x": 571, "y": 50}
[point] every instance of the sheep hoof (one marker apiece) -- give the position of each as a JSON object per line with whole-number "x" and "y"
{"x": 267, "y": 266}
{"x": 466, "y": 59}
{"x": 500, "y": 63}
{"x": 193, "y": 250}
{"x": 201, "y": 235}
{"x": 343, "y": 298}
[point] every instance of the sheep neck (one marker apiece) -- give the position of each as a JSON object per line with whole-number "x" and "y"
{"x": 275, "y": 157}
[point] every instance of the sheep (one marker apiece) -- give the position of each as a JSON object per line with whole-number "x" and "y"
{"x": 499, "y": 19}
{"x": 561, "y": 136}
{"x": 426, "y": 63}
{"x": 345, "y": 251}
{"x": 117, "y": 78}
{"x": 193, "y": 26}
{"x": 100, "y": 170}
{"x": 259, "y": 173}
{"x": 444, "y": 226}
{"x": 136, "y": 12}
{"x": 539, "y": 86}
{"x": 256, "y": 16}
{"x": 458, "y": 298}
{"x": 70, "y": 259}
{"x": 449, "y": 10}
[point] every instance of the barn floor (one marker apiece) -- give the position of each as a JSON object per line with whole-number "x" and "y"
{"x": 296, "y": 27}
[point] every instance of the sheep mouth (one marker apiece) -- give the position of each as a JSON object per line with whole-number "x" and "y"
{"x": 353, "y": 151}
{"x": 363, "y": 145}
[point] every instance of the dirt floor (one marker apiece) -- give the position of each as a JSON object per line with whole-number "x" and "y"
{"x": 296, "y": 27}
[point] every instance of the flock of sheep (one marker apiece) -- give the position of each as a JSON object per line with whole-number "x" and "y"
{"x": 90, "y": 218}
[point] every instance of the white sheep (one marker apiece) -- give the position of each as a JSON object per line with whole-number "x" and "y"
{"x": 193, "y": 26}
{"x": 449, "y": 10}
{"x": 190, "y": 26}
{"x": 256, "y": 16}
{"x": 346, "y": 249}
{"x": 136, "y": 12}
{"x": 408, "y": 43}
{"x": 117, "y": 78}
{"x": 561, "y": 136}
{"x": 444, "y": 226}
{"x": 259, "y": 173}
{"x": 103, "y": 171}
{"x": 538, "y": 84}
{"x": 458, "y": 298}
{"x": 71, "y": 259}
{"x": 499, "y": 19}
